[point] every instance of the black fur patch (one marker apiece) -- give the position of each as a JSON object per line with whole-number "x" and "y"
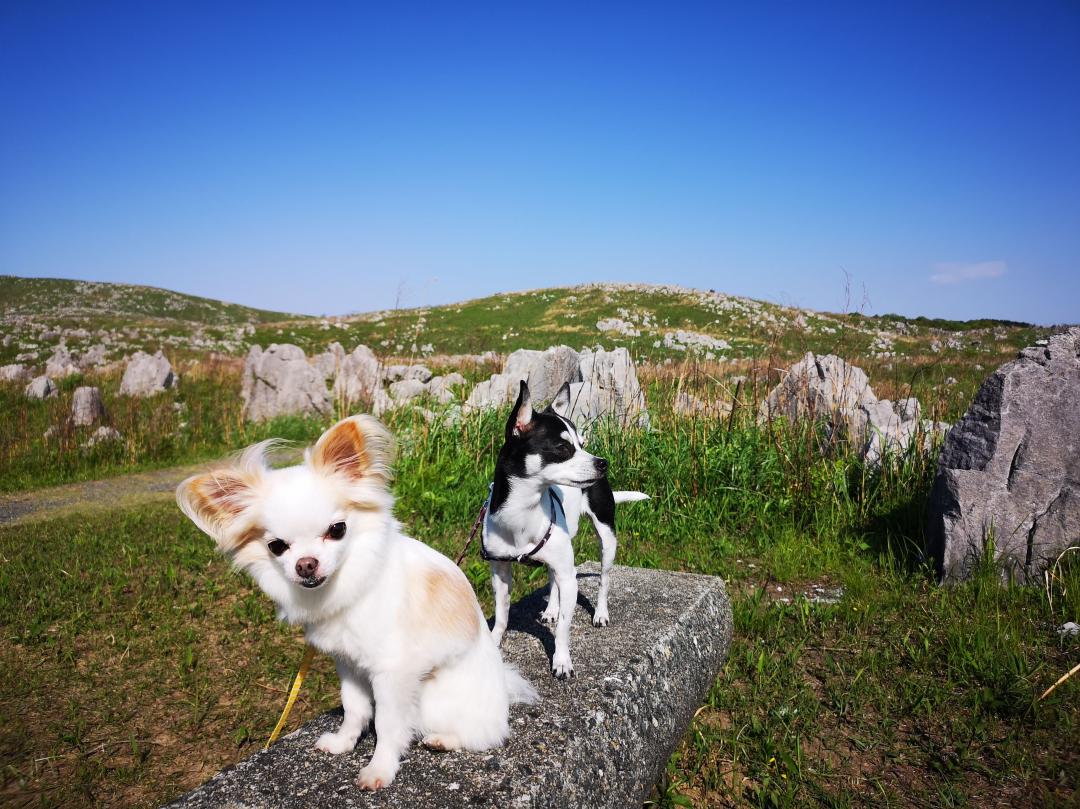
{"x": 602, "y": 502}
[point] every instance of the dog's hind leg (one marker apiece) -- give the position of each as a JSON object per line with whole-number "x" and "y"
{"x": 600, "y": 506}
{"x": 502, "y": 579}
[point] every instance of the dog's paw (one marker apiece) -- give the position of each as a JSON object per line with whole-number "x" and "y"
{"x": 497, "y": 636}
{"x": 334, "y": 743}
{"x": 549, "y": 616}
{"x": 376, "y": 776}
{"x": 442, "y": 741}
{"x": 600, "y": 618}
{"x": 562, "y": 668}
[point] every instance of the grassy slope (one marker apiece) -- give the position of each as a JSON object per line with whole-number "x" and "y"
{"x": 763, "y": 337}
{"x": 143, "y": 665}
{"x": 48, "y": 297}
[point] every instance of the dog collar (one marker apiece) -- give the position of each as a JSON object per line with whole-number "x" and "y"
{"x": 525, "y": 558}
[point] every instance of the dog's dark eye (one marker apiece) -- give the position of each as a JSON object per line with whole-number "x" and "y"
{"x": 565, "y": 451}
{"x": 277, "y": 546}
{"x": 336, "y": 531}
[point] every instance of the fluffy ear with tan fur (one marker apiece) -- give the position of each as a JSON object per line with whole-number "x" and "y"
{"x": 357, "y": 449}
{"x": 219, "y": 502}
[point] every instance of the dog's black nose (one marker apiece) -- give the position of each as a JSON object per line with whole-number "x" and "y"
{"x": 306, "y": 567}
{"x": 601, "y": 466}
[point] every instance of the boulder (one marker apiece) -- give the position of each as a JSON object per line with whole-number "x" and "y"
{"x": 103, "y": 435}
{"x": 86, "y": 407}
{"x": 829, "y": 390}
{"x": 488, "y": 394}
{"x": 421, "y": 373}
{"x": 13, "y": 373}
{"x": 822, "y": 388}
{"x": 440, "y": 388}
{"x": 545, "y": 371}
{"x": 147, "y": 375}
{"x": 603, "y": 384}
{"x": 1010, "y": 469}
{"x": 405, "y": 390}
{"x": 280, "y": 382}
{"x": 610, "y": 381}
{"x": 93, "y": 357}
{"x": 358, "y": 377}
{"x": 40, "y": 388}
{"x": 60, "y": 364}
{"x": 392, "y": 373}
{"x": 330, "y": 361}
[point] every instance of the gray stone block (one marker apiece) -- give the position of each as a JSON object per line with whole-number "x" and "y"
{"x": 600, "y": 739}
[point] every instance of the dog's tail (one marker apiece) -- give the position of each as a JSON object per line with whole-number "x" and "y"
{"x": 629, "y": 497}
{"x": 518, "y": 689}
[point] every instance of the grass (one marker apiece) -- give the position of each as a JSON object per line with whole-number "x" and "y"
{"x": 137, "y": 664}
{"x": 201, "y": 420}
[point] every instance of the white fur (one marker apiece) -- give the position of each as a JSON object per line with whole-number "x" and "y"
{"x": 449, "y": 687}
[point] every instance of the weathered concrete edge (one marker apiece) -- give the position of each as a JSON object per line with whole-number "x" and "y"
{"x": 676, "y": 661}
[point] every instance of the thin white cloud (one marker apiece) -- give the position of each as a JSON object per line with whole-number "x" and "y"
{"x": 951, "y": 272}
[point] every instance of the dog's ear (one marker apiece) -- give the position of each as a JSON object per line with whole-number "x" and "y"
{"x": 561, "y": 403}
{"x": 221, "y": 504}
{"x": 522, "y": 414}
{"x": 357, "y": 448}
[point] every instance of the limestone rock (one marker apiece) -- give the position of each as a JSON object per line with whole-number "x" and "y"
{"x": 13, "y": 373}
{"x": 603, "y": 384}
{"x": 86, "y": 407}
{"x": 103, "y": 435}
{"x": 330, "y": 361}
{"x": 358, "y": 377}
{"x": 822, "y": 388}
{"x": 279, "y": 382}
{"x": 421, "y": 373}
{"x": 405, "y": 390}
{"x": 60, "y": 364}
{"x": 488, "y": 394}
{"x": 41, "y": 388}
{"x": 830, "y": 390}
{"x": 147, "y": 375}
{"x": 440, "y": 388}
{"x": 1011, "y": 467}
{"x": 612, "y": 387}
{"x": 93, "y": 357}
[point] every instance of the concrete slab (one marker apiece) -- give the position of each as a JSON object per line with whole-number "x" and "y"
{"x": 598, "y": 740}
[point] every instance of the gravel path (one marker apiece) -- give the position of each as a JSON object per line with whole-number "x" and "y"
{"x": 108, "y": 494}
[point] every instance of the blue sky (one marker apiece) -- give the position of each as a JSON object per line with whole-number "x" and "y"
{"x": 333, "y": 158}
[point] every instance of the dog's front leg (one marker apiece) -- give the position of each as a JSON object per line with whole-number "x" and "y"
{"x": 566, "y": 579}
{"x": 395, "y": 705}
{"x": 551, "y": 612}
{"x": 502, "y": 579}
{"x": 608, "y": 544}
{"x": 356, "y": 700}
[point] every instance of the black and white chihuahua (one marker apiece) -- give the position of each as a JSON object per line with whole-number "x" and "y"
{"x": 544, "y": 481}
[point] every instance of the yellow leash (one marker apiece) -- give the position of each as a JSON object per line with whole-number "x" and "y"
{"x": 294, "y": 692}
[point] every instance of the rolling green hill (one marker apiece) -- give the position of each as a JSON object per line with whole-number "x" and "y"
{"x": 656, "y": 322}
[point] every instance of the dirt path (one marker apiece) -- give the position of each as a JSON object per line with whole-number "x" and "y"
{"x": 108, "y": 494}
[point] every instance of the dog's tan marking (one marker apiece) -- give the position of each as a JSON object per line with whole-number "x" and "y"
{"x": 356, "y": 447}
{"x": 443, "y": 602}
{"x": 219, "y": 501}
{"x": 341, "y": 450}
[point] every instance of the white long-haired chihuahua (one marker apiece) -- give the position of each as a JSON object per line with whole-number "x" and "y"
{"x": 400, "y": 619}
